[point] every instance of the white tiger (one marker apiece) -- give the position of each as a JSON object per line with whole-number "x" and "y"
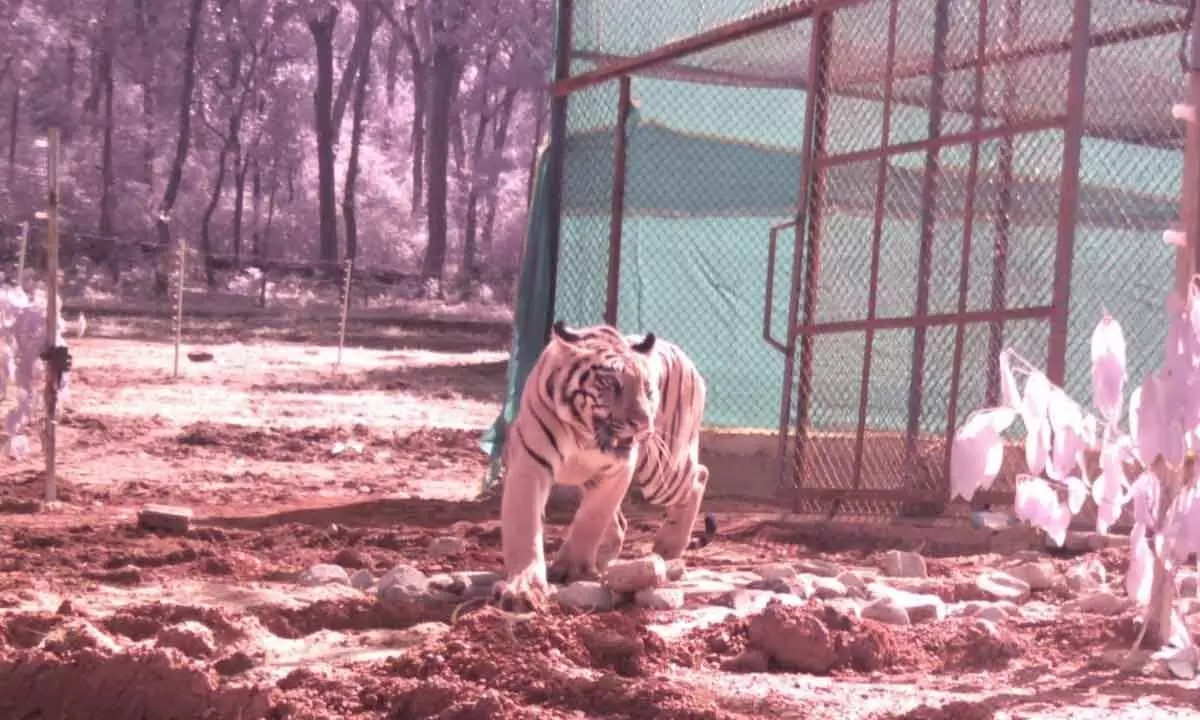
{"x": 605, "y": 412}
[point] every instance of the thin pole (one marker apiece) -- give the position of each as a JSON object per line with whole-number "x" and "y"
{"x": 179, "y": 303}
{"x": 1186, "y": 258}
{"x": 558, "y": 153}
{"x": 617, "y": 215}
{"x": 349, "y": 270}
{"x": 52, "y": 378}
{"x": 21, "y": 254}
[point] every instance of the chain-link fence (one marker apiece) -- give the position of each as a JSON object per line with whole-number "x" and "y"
{"x": 927, "y": 167}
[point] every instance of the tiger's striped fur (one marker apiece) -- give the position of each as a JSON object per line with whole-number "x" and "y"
{"x": 605, "y": 412}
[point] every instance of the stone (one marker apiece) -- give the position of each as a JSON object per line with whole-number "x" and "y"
{"x": 824, "y": 588}
{"x": 191, "y": 638}
{"x": 446, "y": 545}
{"x": 776, "y": 571}
{"x": 746, "y": 601}
{"x": 789, "y": 586}
{"x": 796, "y": 641}
{"x": 350, "y": 558}
{"x": 992, "y": 613}
{"x": 676, "y": 569}
{"x": 586, "y": 595}
{"x": 1187, "y": 585}
{"x": 854, "y": 583}
{"x": 1038, "y": 575}
{"x": 988, "y": 627}
{"x": 324, "y": 574}
{"x": 845, "y": 606}
{"x": 919, "y": 607}
{"x": 1098, "y": 602}
{"x": 402, "y": 582}
{"x": 750, "y": 660}
{"x": 886, "y": 610}
{"x": 1002, "y": 586}
{"x": 821, "y": 568}
{"x": 167, "y": 518}
{"x": 362, "y": 580}
{"x": 1087, "y": 575}
{"x": 659, "y": 598}
{"x": 78, "y": 634}
{"x": 629, "y": 576}
{"x": 900, "y": 563}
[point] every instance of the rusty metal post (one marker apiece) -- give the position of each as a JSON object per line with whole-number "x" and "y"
{"x": 617, "y": 214}
{"x": 1004, "y": 179}
{"x": 964, "y": 268}
{"x": 808, "y": 246}
{"x": 52, "y": 378}
{"x": 885, "y": 139}
{"x": 1064, "y": 254}
{"x": 1187, "y": 258}
{"x": 558, "y": 150}
{"x": 929, "y": 185}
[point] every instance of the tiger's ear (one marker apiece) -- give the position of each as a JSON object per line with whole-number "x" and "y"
{"x": 645, "y": 345}
{"x": 564, "y": 333}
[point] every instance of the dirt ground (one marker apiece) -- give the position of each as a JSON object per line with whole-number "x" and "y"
{"x": 287, "y": 465}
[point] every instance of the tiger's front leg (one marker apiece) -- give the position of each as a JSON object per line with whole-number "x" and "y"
{"x": 592, "y": 524}
{"x": 525, "y": 493}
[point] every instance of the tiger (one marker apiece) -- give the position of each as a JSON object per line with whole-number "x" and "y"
{"x": 605, "y": 412}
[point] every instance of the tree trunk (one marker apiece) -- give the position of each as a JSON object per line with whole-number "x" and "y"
{"x": 366, "y": 29}
{"x": 441, "y": 97}
{"x": 182, "y": 141}
{"x": 420, "y": 100}
{"x": 499, "y": 140}
{"x": 360, "y": 55}
{"x": 256, "y": 210}
{"x": 146, "y": 22}
{"x": 392, "y": 67}
{"x": 322, "y": 32}
{"x": 214, "y": 200}
{"x": 14, "y": 123}
{"x": 105, "y": 228}
{"x": 241, "y": 168}
{"x": 470, "y": 265}
{"x": 539, "y": 118}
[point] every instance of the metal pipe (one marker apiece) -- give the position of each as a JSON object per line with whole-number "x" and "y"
{"x": 864, "y": 387}
{"x": 940, "y": 141}
{"x": 806, "y": 251}
{"x": 1004, "y": 201}
{"x": 924, "y": 321}
{"x": 929, "y": 183}
{"x": 558, "y": 152}
{"x": 1056, "y": 362}
{"x": 617, "y": 213}
{"x": 1187, "y": 258}
{"x": 964, "y": 267}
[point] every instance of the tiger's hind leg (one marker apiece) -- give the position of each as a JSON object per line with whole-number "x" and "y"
{"x": 577, "y": 559}
{"x": 676, "y": 532}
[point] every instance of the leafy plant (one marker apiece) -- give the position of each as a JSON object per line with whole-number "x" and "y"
{"x": 1064, "y": 441}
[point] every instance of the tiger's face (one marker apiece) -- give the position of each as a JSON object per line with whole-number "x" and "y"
{"x": 626, "y": 401}
{"x": 616, "y": 392}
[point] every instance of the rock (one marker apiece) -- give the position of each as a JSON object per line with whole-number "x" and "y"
{"x": 350, "y": 558}
{"x": 886, "y": 610}
{"x": 899, "y": 563}
{"x": 586, "y": 595}
{"x": 796, "y": 641}
{"x": 659, "y": 598}
{"x": 676, "y": 569}
{"x": 821, "y": 568}
{"x": 1098, "y": 602}
{"x": 824, "y": 588}
{"x": 236, "y": 664}
{"x": 1038, "y": 575}
{"x": 1002, "y": 586}
{"x": 921, "y": 608}
{"x": 845, "y": 606}
{"x": 75, "y": 635}
{"x": 776, "y": 571}
{"x": 362, "y": 580}
{"x": 748, "y": 601}
{"x": 403, "y": 582}
{"x": 447, "y": 545}
{"x": 168, "y": 518}
{"x": 1186, "y": 585}
{"x": 1087, "y": 575}
{"x": 992, "y": 613}
{"x": 629, "y": 576}
{"x": 191, "y": 638}
{"x": 324, "y": 574}
{"x": 799, "y": 586}
{"x": 853, "y": 583}
{"x": 987, "y": 627}
{"x": 751, "y": 660}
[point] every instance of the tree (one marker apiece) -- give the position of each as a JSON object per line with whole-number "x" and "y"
{"x": 366, "y": 30}
{"x": 321, "y": 28}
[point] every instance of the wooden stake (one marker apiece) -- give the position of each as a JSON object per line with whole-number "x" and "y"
{"x": 51, "y": 309}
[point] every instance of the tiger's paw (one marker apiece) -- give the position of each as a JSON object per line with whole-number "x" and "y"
{"x": 566, "y": 570}
{"x": 521, "y": 593}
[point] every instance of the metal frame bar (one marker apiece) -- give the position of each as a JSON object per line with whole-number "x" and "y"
{"x": 929, "y": 189}
{"x": 907, "y": 322}
{"x": 937, "y": 143}
{"x": 724, "y": 34}
{"x": 769, "y": 290}
{"x": 617, "y": 213}
{"x": 1187, "y": 258}
{"x": 558, "y": 150}
{"x": 806, "y": 256}
{"x": 1005, "y": 158}
{"x": 1056, "y": 362}
{"x": 864, "y": 387}
{"x": 964, "y": 268}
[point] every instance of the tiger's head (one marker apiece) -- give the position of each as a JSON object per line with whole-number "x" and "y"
{"x": 611, "y": 391}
